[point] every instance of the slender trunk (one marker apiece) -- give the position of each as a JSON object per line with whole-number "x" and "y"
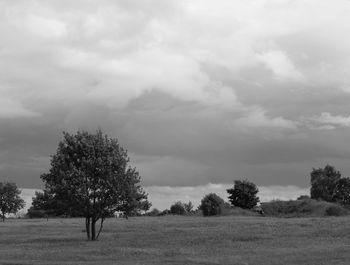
{"x": 3, "y": 217}
{"x": 93, "y": 229}
{"x": 87, "y": 226}
{"x": 101, "y": 226}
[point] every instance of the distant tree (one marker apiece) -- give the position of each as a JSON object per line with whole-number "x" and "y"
{"x": 90, "y": 173}
{"x": 188, "y": 207}
{"x": 177, "y": 208}
{"x": 153, "y": 212}
{"x": 243, "y": 194}
{"x": 211, "y": 204}
{"x": 165, "y": 212}
{"x": 324, "y": 183}
{"x": 10, "y": 201}
{"x": 342, "y": 191}
{"x": 303, "y": 197}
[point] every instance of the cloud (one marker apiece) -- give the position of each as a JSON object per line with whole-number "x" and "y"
{"x": 10, "y": 109}
{"x": 211, "y": 87}
{"x": 327, "y": 121}
{"x": 280, "y": 64}
{"x": 257, "y": 118}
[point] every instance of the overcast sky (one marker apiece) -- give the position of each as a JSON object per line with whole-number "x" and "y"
{"x": 198, "y": 91}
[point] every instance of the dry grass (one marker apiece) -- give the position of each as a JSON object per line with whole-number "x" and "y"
{"x": 179, "y": 240}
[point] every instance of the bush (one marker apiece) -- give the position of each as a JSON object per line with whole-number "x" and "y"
{"x": 154, "y": 212}
{"x": 300, "y": 208}
{"x": 335, "y": 210}
{"x": 165, "y": 212}
{"x": 178, "y": 208}
{"x": 212, "y": 204}
{"x": 32, "y": 213}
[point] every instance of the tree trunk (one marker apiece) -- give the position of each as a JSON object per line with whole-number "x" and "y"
{"x": 93, "y": 229}
{"x": 87, "y": 227}
{"x": 3, "y": 217}
{"x": 101, "y": 226}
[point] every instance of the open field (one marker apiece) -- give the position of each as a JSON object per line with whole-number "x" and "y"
{"x": 179, "y": 240}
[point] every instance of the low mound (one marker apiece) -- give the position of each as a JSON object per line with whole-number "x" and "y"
{"x": 303, "y": 208}
{"x": 237, "y": 211}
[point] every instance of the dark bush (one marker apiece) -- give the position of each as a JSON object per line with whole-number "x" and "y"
{"x": 299, "y": 208}
{"x": 37, "y": 213}
{"x": 154, "y": 212}
{"x": 178, "y": 208}
{"x": 212, "y": 204}
{"x": 165, "y": 212}
{"x": 335, "y": 210}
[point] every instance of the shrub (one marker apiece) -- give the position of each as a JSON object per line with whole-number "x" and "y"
{"x": 165, "y": 212}
{"x": 188, "y": 207}
{"x": 154, "y": 212}
{"x": 32, "y": 213}
{"x": 303, "y": 197}
{"x": 300, "y": 208}
{"x": 212, "y": 204}
{"x": 335, "y": 210}
{"x": 177, "y": 208}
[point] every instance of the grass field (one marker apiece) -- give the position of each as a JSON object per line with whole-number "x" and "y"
{"x": 179, "y": 240}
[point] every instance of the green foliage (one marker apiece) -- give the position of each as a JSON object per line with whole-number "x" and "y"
{"x": 188, "y": 207}
{"x": 327, "y": 184}
{"x": 243, "y": 194}
{"x": 44, "y": 204}
{"x": 324, "y": 183}
{"x": 33, "y": 213}
{"x": 177, "y": 208}
{"x": 90, "y": 175}
{"x": 335, "y": 210}
{"x": 212, "y": 204}
{"x": 153, "y": 212}
{"x": 342, "y": 191}
{"x": 10, "y": 201}
{"x": 303, "y": 197}
{"x": 302, "y": 208}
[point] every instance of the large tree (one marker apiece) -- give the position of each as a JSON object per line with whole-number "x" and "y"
{"x": 10, "y": 201}
{"x": 90, "y": 174}
{"x": 324, "y": 183}
{"x": 243, "y": 194}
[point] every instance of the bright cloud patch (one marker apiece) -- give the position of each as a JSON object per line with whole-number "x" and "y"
{"x": 328, "y": 121}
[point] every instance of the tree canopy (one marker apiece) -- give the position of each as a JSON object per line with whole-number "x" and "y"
{"x": 243, "y": 194}
{"x": 211, "y": 204}
{"x": 90, "y": 174}
{"x": 324, "y": 183}
{"x": 10, "y": 201}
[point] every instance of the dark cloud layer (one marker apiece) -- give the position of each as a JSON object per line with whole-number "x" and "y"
{"x": 198, "y": 92}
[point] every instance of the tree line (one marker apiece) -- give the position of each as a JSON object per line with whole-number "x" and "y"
{"x": 90, "y": 176}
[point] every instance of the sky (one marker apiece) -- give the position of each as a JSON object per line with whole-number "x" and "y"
{"x": 200, "y": 92}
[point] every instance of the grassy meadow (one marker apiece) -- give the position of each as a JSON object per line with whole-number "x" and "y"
{"x": 179, "y": 240}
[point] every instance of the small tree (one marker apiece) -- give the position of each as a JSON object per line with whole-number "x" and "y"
{"x": 10, "y": 201}
{"x": 211, "y": 204}
{"x": 243, "y": 194}
{"x": 90, "y": 174}
{"x": 324, "y": 183}
{"x": 342, "y": 191}
{"x": 188, "y": 207}
{"x": 177, "y": 208}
